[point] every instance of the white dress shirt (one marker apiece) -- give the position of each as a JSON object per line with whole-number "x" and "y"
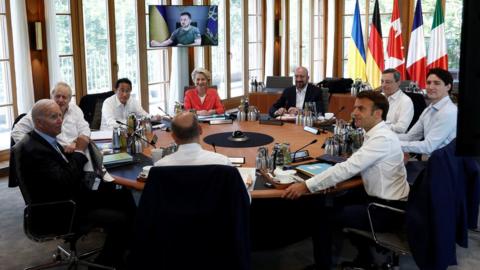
{"x": 400, "y": 112}
{"x": 192, "y": 154}
{"x": 437, "y": 126}
{"x": 380, "y": 163}
{"x": 113, "y": 110}
{"x": 300, "y": 98}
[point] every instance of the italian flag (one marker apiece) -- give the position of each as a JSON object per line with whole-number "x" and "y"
{"x": 437, "y": 51}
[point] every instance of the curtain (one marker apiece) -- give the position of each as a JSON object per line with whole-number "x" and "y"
{"x": 270, "y": 38}
{"x": 178, "y": 77}
{"x": 54, "y": 75}
{"x": 330, "y": 36}
{"x": 21, "y": 50}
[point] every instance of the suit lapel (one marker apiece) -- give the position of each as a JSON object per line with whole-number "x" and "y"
{"x": 49, "y": 147}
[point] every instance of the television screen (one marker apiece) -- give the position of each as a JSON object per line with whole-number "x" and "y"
{"x": 183, "y": 25}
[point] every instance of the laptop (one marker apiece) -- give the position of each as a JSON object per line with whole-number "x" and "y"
{"x": 277, "y": 83}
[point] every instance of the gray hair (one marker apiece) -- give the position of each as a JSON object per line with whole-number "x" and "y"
{"x": 396, "y": 74}
{"x": 40, "y": 107}
{"x": 202, "y": 71}
{"x": 60, "y": 85}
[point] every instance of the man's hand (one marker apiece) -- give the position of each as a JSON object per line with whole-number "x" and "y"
{"x": 82, "y": 142}
{"x": 293, "y": 110}
{"x": 70, "y": 148}
{"x": 295, "y": 191}
{"x": 280, "y": 111}
{"x": 406, "y": 157}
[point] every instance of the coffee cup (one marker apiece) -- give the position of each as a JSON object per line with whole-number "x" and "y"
{"x": 157, "y": 154}
{"x": 328, "y": 115}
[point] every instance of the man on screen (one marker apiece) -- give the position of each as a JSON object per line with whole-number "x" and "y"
{"x": 186, "y": 35}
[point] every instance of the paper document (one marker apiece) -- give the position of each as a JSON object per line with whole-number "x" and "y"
{"x": 99, "y": 135}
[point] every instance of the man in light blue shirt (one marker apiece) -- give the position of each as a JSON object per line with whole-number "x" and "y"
{"x": 437, "y": 125}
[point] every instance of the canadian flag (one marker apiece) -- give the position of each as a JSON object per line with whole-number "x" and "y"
{"x": 395, "y": 58}
{"x": 437, "y": 51}
{"x": 416, "y": 58}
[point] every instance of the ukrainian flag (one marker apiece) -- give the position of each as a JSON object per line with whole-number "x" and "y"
{"x": 356, "y": 50}
{"x": 158, "y": 23}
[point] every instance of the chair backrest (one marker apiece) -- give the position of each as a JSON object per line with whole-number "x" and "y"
{"x": 12, "y": 178}
{"x": 419, "y": 105}
{"x": 192, "y": 217}
{"x": 91, "y": 106}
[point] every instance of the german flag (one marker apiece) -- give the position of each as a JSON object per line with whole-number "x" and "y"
{"x": 375, "y": 60}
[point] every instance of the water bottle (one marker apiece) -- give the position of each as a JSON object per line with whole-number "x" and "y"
{"x": 116, "y": 139}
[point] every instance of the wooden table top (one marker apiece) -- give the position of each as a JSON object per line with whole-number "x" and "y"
{"x": 291, "y": 133}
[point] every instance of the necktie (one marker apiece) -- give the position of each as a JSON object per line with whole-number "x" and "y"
{"x": 57, "y": 147}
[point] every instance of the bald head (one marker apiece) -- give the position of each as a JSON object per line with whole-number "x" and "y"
{"x": 301, "y": 77}
{"x": 47, "y": 117}
{"x": 185, "y": 128}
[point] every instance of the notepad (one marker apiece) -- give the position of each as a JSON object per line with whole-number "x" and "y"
{"x": 313, "y": 169}
{"x": 117, "y": 159}
{"x": 246, "y": 173}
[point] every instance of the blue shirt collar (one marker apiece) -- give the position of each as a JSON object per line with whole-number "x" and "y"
{"x": 51, "y": 140}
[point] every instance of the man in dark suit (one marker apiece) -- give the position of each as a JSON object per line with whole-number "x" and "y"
{"x": 293, "y": 98}
{"x": 47, "y": 173}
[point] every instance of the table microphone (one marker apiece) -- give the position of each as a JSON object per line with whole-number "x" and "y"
{"x": 152, "y": 142}
{"x": 310, "y": 143}
{"x": 214, "y": 149}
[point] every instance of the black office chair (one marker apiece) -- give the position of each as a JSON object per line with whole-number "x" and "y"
{"x": 91, "y": 106}
{"x": 419, "y": 105}
{"x": 441, "y": 207}
{"x": 54, "y": 220}
{"x": 12, "y": 182}
{"x": 192, "y": 217}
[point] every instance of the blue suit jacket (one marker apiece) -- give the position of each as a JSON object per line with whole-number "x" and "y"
{"x": 442, "y": 206}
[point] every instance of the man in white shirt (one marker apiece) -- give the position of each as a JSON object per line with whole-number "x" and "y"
{"x": 380, "y": 163}
{"x": 400, "y": 111}
{"x": 186, "y": 133}
{"x": 117, "y": 107}
{"x": 73, "y": 124}
{"x": 437, "y": 125}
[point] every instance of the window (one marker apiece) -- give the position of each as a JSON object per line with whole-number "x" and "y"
{"x": 318, "y": 70}
{"x": 304, "y": 34}
{"x": 97, "y": 46}
{"x": 255, "y": 40}
{"x": 63, "y": 25}
{"x": 7, "y": 79}
{"x": 453, "y": 29}
{"x": 158, "y": 75}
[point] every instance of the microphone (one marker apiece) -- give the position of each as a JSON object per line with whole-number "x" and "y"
{"x": 168, "y": 115}
{"x": 295, "y": 153}
{"x": 214, "y": 149}
{"x": 152, "y": 142}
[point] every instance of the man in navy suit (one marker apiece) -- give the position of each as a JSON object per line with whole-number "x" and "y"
{"x": 293, "y": 98}
{"x": 47, "y": 173}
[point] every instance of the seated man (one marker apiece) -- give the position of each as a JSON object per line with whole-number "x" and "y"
{"x": 380, "y": 163}
{"x": 73, "y": 124}
{"x": 400, "y": 111}
{"x": 186, "y": 35}
{"x": 48, "y": 173}
{"x": 437, "y": 125}
{"x": 293, "y": 98}
{"x": 117, "y": 107}
{"x": 186, "y": 133}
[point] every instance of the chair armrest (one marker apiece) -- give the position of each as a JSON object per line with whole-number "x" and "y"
{"x": 383, "y": 206}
